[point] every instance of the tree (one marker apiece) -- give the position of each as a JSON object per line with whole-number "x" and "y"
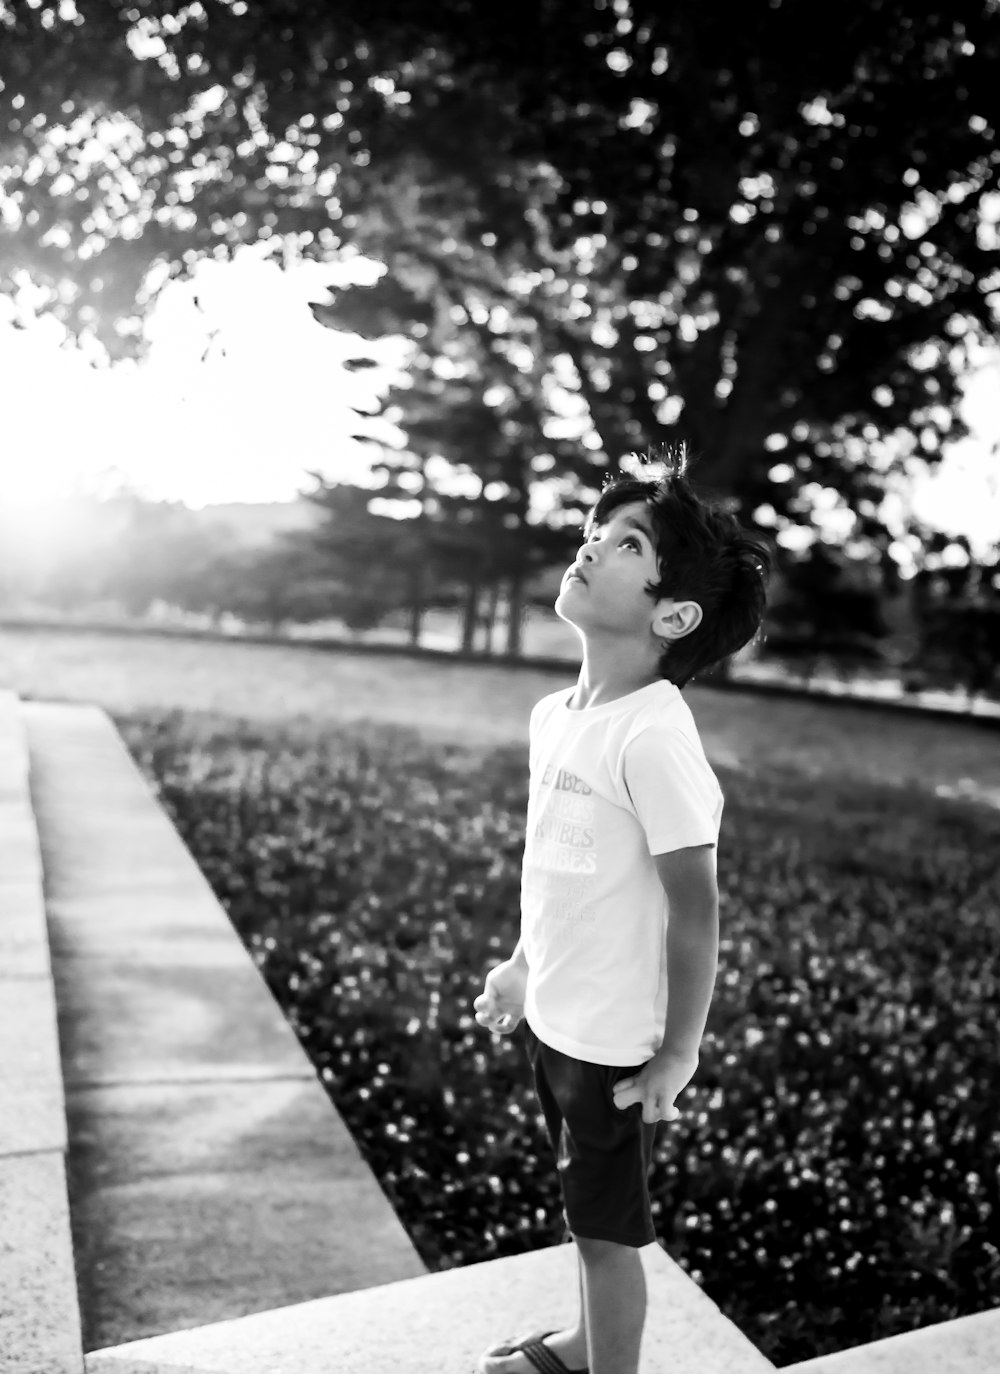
{"x": 370, "y": 564}
{"x": 477, "y": 407}
{"x": 828, "y": 608}
{"x": 776, "y": 227}
{"x": 957, "y": 604}
{"x": 159, "y": 552}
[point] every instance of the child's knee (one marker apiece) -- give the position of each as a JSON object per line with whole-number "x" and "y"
{"x": 594, "y": 1251}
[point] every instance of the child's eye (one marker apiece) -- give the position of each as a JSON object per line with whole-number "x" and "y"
{"x": 631, "y": 539}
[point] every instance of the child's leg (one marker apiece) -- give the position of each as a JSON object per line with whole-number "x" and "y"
{"x": 571, "y": 1343}
{"x": 603, "y": 1156}
{"x": 614, "y": 1295}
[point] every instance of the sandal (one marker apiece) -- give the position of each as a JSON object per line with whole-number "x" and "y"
{"x": 539, "y": 1356}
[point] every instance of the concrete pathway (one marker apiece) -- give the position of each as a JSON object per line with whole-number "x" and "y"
{"x": 209, "y": 1175}
{"x": 39, "y": 1311}
{"x": 441, "y": 1324}
{"x": 967, "y": 1345}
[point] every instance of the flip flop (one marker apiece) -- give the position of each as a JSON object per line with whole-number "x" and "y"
{"x": 539, "y": 1356}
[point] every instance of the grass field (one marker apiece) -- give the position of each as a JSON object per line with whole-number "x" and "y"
{"x": 485, "y": 705}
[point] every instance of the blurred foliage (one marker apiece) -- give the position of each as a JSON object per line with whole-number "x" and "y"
{"x": 774, "y": 219}
{"x": 437, "y": 551}
{"x": 939, "y": 630}
{"x": 958, "y": 613}
{"x": 822, "y": 610}
{"x": 833, "y": 1178}
{"x": 827, "y": 614}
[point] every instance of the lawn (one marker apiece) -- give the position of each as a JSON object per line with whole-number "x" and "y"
{"x": 486, "y": 705}
{"x": 833, "y": 1177}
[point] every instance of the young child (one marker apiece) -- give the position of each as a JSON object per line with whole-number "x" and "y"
{"x": 616, "y": 962}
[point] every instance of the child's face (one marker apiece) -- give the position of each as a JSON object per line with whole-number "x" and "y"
{"x": 605, "y": 588}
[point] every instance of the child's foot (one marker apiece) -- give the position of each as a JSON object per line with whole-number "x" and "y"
{"x": 547, "y": 1352}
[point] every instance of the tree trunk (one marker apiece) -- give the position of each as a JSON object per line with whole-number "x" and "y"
{"x": 416, "y": 623}
{"x": 417, "y": 606}
{"x": 490, "y": 617}
{"x": 515, "y": 610}
{"x": 421, "y": 549}
{"x": 470, "y": 614}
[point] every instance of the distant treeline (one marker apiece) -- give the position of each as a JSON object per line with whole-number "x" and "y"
{"x": 940, "y": 627}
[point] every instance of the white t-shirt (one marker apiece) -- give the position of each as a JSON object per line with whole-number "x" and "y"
{"x": 610, "y": 786}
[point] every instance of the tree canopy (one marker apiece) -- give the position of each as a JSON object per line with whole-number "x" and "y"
{"x": 773, "y": 227}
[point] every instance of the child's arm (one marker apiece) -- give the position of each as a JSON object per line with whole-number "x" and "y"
{"x": 500, "y": 1006}
{"x": 688, "y": 878}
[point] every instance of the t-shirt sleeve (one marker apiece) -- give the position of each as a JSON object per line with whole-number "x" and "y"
{"x": 674, "y": 792}
{"x": 540, "y": 713}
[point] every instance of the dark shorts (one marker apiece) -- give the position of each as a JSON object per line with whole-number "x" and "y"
{"x": 603, "y": 1154}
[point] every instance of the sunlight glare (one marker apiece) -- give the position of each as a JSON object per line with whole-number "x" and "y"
{"x": 240, "y": 394}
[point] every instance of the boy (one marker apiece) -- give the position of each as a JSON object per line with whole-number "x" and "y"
{"x": 623, "y": 820}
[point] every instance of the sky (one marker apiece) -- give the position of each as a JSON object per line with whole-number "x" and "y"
{"x": 242, "y": 392}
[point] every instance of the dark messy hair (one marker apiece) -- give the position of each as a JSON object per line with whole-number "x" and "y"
{"x": 703, "y": 554}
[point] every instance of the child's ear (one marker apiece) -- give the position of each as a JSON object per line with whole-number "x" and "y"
{"x": 675, "y": 619}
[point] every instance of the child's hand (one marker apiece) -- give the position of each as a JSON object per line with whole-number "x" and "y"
{"x": 500, "y": 1006}
{"x": 656, "y": 1085}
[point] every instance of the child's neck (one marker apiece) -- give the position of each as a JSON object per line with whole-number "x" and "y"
{"x": 610, "y": 671}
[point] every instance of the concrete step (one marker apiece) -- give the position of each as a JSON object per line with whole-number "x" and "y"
{"x": 210, "y": 1175}
{"x": 441, "y": 1323}
{"x": 39, "y": 1311}
{"x": 967, "y": 1345}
